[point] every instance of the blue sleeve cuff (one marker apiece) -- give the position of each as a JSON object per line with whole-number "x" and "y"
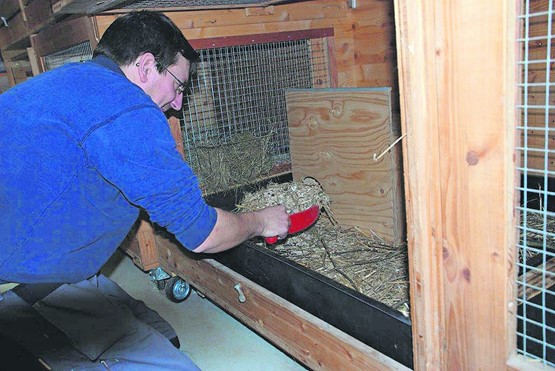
{"x": 198, "y": 231}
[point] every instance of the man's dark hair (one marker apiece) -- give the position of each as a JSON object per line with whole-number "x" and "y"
{"x": 136, "y": 33}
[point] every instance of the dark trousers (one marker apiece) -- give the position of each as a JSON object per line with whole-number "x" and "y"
{"x": 90, "y": 325}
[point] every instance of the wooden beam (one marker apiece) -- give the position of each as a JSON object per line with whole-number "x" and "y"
{"x": 459, "y": 178}
{"x": 84, "y": 6}
{"x": 33, "y": 59}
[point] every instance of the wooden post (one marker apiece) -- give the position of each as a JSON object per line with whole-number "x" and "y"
{"x": 457, "y": 73}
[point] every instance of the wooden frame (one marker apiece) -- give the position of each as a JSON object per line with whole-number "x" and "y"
{"x": 64, "y": 35}
{"x": 326, "y": 34}
{"x": 460, "y": 179}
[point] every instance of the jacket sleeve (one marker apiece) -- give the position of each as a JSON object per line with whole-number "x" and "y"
{"x": 136, "y": 153}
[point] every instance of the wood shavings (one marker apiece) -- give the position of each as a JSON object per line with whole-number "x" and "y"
{"x": 368, "y": 265}
{"x": 362, "y": 262}
{"x": 295, "y": 196}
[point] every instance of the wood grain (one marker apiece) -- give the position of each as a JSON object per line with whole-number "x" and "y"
{"x": 459, "y": 163}
{"x": 334, "y": 135}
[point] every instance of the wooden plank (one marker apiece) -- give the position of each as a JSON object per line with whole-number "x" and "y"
{"x": 308, "y": 339}
{"x": 9, "y": 8}
{"x": 22, "y": 7}
{"x": 18, "y": 64}
{"x": 460, "y": 179}
{"x": 542, "y": 276}
{"x": 84, "y": 6}
{"x": 539, "y": 141}
{"x": 535, "y": 163}
{"x": 64, "y": 35}
{"x": 140, "y": 244}
{"x": 260, "y": 38}
{"x": 258, "y": 11}
{"x": 520, "y": 362}
{"x": 16, "y": 75}
{"x": 335, "y": 135}
{"x": 17, "y": 30}
{"x": 23, "y": 24}
{"x": 38, "y": 14}
{"x": 33, "y": 59}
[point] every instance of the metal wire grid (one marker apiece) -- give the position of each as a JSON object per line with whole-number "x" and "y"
{"x": 536, "y": 258}
{"x": 241, "y": 89}
{"x": 77, "y": 53}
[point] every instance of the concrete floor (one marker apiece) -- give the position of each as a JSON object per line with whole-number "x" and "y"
{"x": 210, "y": 337}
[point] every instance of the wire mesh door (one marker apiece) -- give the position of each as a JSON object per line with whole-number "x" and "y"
{"x": 536, "y": 258}
{"x": 77, "y": 53}
{"x": 235, "y": 119}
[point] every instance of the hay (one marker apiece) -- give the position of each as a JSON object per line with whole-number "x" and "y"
{"x": 537, "y": 230}
{"x": 366, "y": 264}
{"x": 295, "y": 196}
{"x": 220, "y": 166}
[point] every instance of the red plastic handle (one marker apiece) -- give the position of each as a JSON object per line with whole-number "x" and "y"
{"x": 299, "y": 222}
{"x": 271, "y": 240}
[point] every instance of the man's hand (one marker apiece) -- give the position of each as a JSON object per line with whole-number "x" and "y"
{"x": 231, "y": 229}
{"x": 275, "y": 221}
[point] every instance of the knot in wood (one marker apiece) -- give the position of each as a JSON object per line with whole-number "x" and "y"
{"x": 336, "y": 110}
{"x": 472, "y": 158}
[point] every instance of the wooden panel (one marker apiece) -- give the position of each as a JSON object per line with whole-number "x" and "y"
{"x": 535, "y": 164}
{"x": 8, "y": 8}
{"x": 16, "y": 31}
{"x": 460, "y": 179}
{"x": 64, "y": 35}
{"x": 16, "y": 75}
{"x": 260, "y": 38}
{"x": 33, "y": 59}
{"x": 370, "y": 20}
{"x": 308, "y": 339}
{"x": 140, "y": 244}
{"x": 22, "y": 24}
{"x": 334, "y": 136}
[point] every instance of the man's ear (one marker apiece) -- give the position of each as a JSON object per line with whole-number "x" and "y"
{"x": 146, "y": 64}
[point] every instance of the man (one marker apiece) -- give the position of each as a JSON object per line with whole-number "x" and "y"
{"x": 86, "y": 146}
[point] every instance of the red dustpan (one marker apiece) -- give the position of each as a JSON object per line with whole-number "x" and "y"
{"x": 299, "y": 221}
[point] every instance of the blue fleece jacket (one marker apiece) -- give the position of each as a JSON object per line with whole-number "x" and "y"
{"x": 82, "y": 150}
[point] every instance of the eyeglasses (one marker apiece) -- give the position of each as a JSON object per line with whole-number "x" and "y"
{"x": 182, "y": 88}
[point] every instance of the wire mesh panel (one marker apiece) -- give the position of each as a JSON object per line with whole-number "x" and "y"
{"x": 77, "y": 53}
{"x": 235, "y": 119}
{"x": 536, "y": 258}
